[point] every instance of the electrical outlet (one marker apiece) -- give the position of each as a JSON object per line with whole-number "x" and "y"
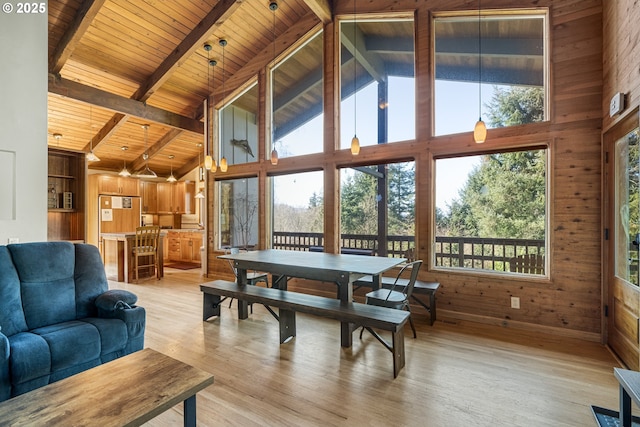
{"x": 11, "y": 240}
{"x": 515, "y": 302}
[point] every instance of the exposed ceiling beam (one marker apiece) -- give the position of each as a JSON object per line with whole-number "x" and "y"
{"x": 321, "y": 8}
{"x": 70, "y": 39}
{"x": 120, "y": 104}
{"x": 194, "y": 40}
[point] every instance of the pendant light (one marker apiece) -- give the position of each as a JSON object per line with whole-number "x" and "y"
{"x": 355, "y": 142}
{"x": 209, "y": 163}
{"x": 480, "y": 130}
{"x": 274, "y": 153}
{"x": 124, "y": 172}
{"x": 223, "y": 160}
{"x": 91, "y": 157}
{"x": 146, "y": 173}
{"x": 171, "y": 178}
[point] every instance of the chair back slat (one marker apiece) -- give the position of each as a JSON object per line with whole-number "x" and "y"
{"x": 147, "y": 239}
{"x": 414, "y": 267}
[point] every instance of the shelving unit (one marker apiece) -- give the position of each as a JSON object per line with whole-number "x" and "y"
{"x": 66, "y": 180}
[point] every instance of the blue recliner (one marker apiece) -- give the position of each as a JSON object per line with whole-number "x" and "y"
{"x": 57, "y": 316}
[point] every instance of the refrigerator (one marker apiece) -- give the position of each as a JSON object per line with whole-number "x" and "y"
{"x": 119, "y": 214}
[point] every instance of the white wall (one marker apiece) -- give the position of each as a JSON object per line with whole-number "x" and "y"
{"x": 23, "y": 125}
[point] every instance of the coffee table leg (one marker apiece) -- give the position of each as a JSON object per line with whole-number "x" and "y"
{"x": 190, "y": 411}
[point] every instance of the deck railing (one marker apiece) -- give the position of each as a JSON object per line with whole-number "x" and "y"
{"x": 467, "y": 252}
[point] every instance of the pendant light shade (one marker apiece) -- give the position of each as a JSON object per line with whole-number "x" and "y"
{"x": 355, "y": 145}
{"x": 146, "y": 172}
{"x": 124, "y": 172}
{"x": 208, "y": 162}
{"x": 223, "y": 165}
{"x": 480, "y": 129}
{"x": 274, "y": 157}
{"x": 480, "y": 132}
{"x": 171, "y": 178}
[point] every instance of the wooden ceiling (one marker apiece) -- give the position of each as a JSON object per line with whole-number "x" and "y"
{"x": 115, "y": 65}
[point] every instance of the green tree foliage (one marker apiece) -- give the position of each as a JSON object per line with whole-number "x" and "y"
{"x": 504, "y": 196}
{"x": 359, "y": 196}
{"x": 515, "y": 106}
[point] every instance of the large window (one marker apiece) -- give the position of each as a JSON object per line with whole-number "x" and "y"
{"x": 377, "y": 81}
{"x": 377, "y": 208}
{"x": 297, "y": 95}
{"x": 298, "y": 210}
{"x": 238, "y": 212}
{"x": 491, "y": 212}
{"x": 504, "y": 53}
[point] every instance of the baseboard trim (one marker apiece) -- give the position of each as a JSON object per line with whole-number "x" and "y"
{"x": 453, "y": 316}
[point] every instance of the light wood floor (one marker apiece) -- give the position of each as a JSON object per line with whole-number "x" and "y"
{"x": 461, "y": 374}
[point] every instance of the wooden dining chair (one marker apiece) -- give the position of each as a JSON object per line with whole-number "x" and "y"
{"x": 396, "y": 296}
{"x": 145, "y": 250}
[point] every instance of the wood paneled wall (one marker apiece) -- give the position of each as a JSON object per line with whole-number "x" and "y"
{"x": 569, "y": 301}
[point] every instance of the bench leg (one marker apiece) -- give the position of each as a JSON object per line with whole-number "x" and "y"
{"x": 287, "y": 321}
{"x": 243, "y": 309}
{"x": 431, "y": 308}
{"x": 398, "y": 351}
{"x": 346, "y": 330}
{"x": 210, "y": 306}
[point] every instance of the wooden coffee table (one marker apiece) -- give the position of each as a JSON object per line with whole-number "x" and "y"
{"x": 128, "y": 391}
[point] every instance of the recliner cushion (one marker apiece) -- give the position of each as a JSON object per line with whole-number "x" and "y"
{"x": 113, "y": 334}
{"x": 71, "y": 343}
{"x": 90, "y": 279}
{"x": 30, "y": 358}
{"x": 46, "y": 272}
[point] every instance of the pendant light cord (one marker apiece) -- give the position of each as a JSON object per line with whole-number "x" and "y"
{"x": 479, "y": 65}
{"x": 355, "y": 63}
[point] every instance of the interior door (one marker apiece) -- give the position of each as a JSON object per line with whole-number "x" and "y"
{"x": 622, "y": 222}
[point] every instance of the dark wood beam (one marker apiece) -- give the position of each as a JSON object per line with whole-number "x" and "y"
{"x": 120, "y": 104}
{"x": 70, "y": 39}
{"x": 194, "y": 40}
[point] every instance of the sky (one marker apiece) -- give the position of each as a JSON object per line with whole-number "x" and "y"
{"x": 457, "y": 107}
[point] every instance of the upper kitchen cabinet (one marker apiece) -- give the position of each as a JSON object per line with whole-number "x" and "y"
{"x": 149, "y": 191}
{"x": 118, "y": 185}
{"x": 176, "y": 198}
{"x": 66, "y": 195}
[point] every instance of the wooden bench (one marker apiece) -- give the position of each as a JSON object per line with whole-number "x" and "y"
{"x": 420, "y": 287}
{"x": 289, "y": 303}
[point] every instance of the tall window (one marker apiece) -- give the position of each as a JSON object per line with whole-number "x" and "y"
{"x": 239, "y": 128}
{"x": 491, "y": 212}
{"x": 297, "y": 94}
{"x": 298, "y": 210}
{"x": 377, "y": 81}
{"x": 377, "y": 208}
{"x": 238, "y": 212}
{"x": 506, "y": 53}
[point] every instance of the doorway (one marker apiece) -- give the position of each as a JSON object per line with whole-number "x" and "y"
{"x": 622, "y": 239}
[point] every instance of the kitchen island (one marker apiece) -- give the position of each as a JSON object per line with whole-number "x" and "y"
{"x": 117, "y": 256}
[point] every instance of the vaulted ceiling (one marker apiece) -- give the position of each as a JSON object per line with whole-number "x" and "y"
{"x": 115, "y": 65}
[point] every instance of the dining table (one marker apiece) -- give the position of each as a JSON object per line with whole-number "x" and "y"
{"x": 341, "y": 269}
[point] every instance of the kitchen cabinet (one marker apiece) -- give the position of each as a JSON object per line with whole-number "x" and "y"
{"x": 118, "y": 185}
{"x": 184, "y": 246}
{"x": 149, "y": 197}
{"x": 66, "y": 175}
{"x": 176, "y": 198}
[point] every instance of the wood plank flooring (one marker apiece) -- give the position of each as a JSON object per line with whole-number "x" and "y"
{"x": 457, "y": 374}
